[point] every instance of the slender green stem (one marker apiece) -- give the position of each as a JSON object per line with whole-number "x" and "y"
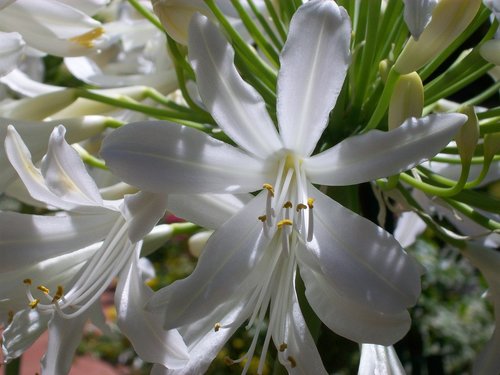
{"x": 486, "y": 94}
{"x": 147, "y": 14}
{"x": 473, "y": 214}
{"x": 493, "y": 112}
{"x": 383, "y": 103}
{"x": 276, "y": 20}
{"x": 437, "y": 190}
{"x": 265, "y": 25}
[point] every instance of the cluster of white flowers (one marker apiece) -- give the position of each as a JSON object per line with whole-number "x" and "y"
{"x": 257, "y": 122}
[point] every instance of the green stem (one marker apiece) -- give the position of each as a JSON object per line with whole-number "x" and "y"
{"x": 147, "y": 14}
{"x": 473, "y": 214}
{"x": 383, "y": 103}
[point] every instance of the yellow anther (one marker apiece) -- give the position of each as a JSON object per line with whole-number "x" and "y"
{"x": 217, "y": 326}
{"x": 310, "y": 202}
{"x": 288, "y": 204}
{"x": 269, "y": 188}
{"x": 283, "y": 347}
{"x": 27, "y": 281}
{"x": 284, "y": 222}
{"x": 43, "y": 289}
{"x": 33, "y": 304}
{"x": 301, "y": 206}
{"x": 293, "y": 362}
{"x": 59, "y": 294}
{"x": 87, "y": 39}
{"x": 262, "y": 218}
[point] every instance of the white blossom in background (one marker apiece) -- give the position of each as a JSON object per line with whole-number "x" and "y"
{"x": 417, "y": 15}
{"x": 360, "y": 287}
{"x": 107, "y": 236}
{"x": 379, "y": 360}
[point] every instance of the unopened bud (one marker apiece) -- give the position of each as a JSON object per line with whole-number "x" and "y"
{"x": 449, "y": 19}
{"x": 490, "y": 51}
{"x": 491, "y": 145}
{"x": 468, "y": 135}
{"x": 407, "y": 99}
{"x": 383, "y": 69}
{"x": 197, "y": 242}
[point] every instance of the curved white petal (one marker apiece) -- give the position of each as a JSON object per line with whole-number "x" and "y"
{"x": 417, "y": 15}
{"x": 65, "y": 174}
{"x": 163, "y": 157}
{"x": 379, "y": 360}
{"x": 21, "y": 83}
{"x": 229, "y": 257}
{"x": 52, "y": 26}
{"x": 314, "y": 62}
{"x": 379, "y": 154}
{"x": 204, "y": 342}
{"x": 144, "y": 329}
{"x": 349, "y": 319}
{"x": 143, "y": 210}
{"x": 89, "y": 7}
{"x": 64, "y": 338}
{"x": 371, "y": 269}
{"x": 26, "y": 239}
{"x": 235, "y": 105}
{"x": 207, "y": 210}
{"x": 26, "y": 327}
{"x": 11, "y": 47}
{"x": 20, "y": 158}
{"x": 408, "y": 227}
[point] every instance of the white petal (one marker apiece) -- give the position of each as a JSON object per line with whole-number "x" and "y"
{"x": 228, "y": 258}
{"x": 5, "y": 3}
{"x": 235, "y": 105}
{"x": 490, "y": 51}
{"x": 21, "y": 83}
{"x": 51, "y": 26}
{"x": 89, "y": 7}
{"x": 379, "y": 154}
{"x": 143, "y": 210}
{"x": 417, "y": 15}
{"x": 207, "y": 210}
{"x": 204, "y": 343}
{"x": 65, "y": 174}
{"x": 349, "y": 319}
{"x": 167, "y": 158}
{"x": 372, "y": 269}
{"x": 64, "y": 338}
{"x": 408, "y": 227}
{"x": 314, "y": 62}
{"x": 11, "y": 47}
{"x": 144, "y": 329}
{"x": 20, "y": 158}
{"x": 379, "y": 360}
{"x": 26, "y": 239}
{"x": 25, "y": 328}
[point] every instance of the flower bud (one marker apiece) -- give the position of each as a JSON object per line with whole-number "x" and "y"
{"x": 197, "y": 242}
{"x": 491, "y": 145}
{"x": 490, "y": 51}
{"x": 449, "y": 19}
{"x": 468, "y": 135}
{"x": 407, "y": 99}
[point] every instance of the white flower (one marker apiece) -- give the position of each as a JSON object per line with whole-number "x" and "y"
{"x": 418, "y": 14}
{"x": 359, "y": 285}
{"x": 65, "y": 296}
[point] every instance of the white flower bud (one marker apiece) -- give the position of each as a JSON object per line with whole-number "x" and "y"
{"x": 407, "y": 99}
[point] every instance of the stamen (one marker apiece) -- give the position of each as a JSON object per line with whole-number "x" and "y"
{"x": 33, "y": 304}
{"x": 228, "y": 361}
{"x": 58, "y": 295}
{"x": 269, "y": 188}
{"x": 292, "y": 360}
{"x": 283, "y": 347}
{"x": 217, "y": 327}
{"x": 262, "y": 218}
{"x": 283, "y": 222}
{"x": 43, "y": 289}
{"x": 27, "y": 281}
{"x": 301, "y": 206}
{"x": 310, "y": 227}
{"x": 288, "y": 204}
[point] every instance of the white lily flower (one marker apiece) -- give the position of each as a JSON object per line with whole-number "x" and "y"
{"x": 379, "y": 360}
{"x": 360, "y": 287}
{"x": 490, "y": 50}
{"x": 417, "y": 15}
{"x": 63, "y": 182}
{"x": 488, "y": 262}
{"x": 52, "y": 27}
